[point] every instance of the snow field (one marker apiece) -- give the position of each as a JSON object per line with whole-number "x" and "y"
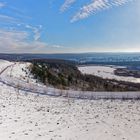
{"x": 106, "y": 72}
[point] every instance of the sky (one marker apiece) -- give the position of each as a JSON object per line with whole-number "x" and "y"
{"x": 69, "y": 26}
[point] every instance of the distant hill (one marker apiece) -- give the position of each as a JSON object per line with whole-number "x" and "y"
{"x": 123, "y": 59}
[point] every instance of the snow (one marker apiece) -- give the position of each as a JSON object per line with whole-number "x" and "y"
{"x": 21, "y": 71}
{"x": 106, "y": 72}
{"x": 4, "y": 63}
{"x": 27, "y": 115}
{"x": 19, "y": 77}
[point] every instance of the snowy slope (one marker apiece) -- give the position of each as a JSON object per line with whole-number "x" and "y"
{"x": 4, "y": 63}
{"x": 19, "y": 77}
{"x": 26, "y": 115}
{"x": 106, "y": 72}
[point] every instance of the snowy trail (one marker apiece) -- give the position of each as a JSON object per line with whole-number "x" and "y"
{"x": 23, "y": 85}
{"x": 2, "y": 71}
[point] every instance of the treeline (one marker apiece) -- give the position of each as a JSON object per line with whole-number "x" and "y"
{"x": 126, "y": 72}
{"x": 65, "y": 75}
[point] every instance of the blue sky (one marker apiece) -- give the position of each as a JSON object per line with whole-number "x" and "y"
{"x": 64, "y": 26}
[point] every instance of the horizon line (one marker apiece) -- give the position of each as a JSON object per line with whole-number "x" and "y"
{"x": 68, "y": 53}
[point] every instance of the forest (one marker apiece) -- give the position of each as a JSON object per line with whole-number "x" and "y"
{"x": 64, "y": 74}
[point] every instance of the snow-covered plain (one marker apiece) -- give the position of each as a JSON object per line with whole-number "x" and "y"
{"x": 26, "y": 115}
{"x": 106, "y": 72}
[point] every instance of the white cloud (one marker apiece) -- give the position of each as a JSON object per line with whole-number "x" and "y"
{"x": 66, "y": 5}
{"x": 5, "y": 18}
{"x": 36, "y": 31}
{"x": 2, "y": 5}
{"x": 96, "y": 6}
{"x": 18, "y": 12}
{"x": 17, "y": 36}
{"x": 57, "y": 46}
{"x": 14, "y": 22}
{"x": 11, "y": 39}
{"x": 18, "y": 42}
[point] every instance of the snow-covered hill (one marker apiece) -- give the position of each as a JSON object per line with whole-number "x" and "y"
{"x": 26, "y": 114}
{"x": 17, "y": 75}
{"x": 4, "y": 64}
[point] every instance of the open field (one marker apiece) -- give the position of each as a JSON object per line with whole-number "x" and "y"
{"x": 106, "y": 72}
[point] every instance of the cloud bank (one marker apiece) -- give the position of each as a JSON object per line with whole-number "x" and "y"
{"x": 17, "y": 41}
